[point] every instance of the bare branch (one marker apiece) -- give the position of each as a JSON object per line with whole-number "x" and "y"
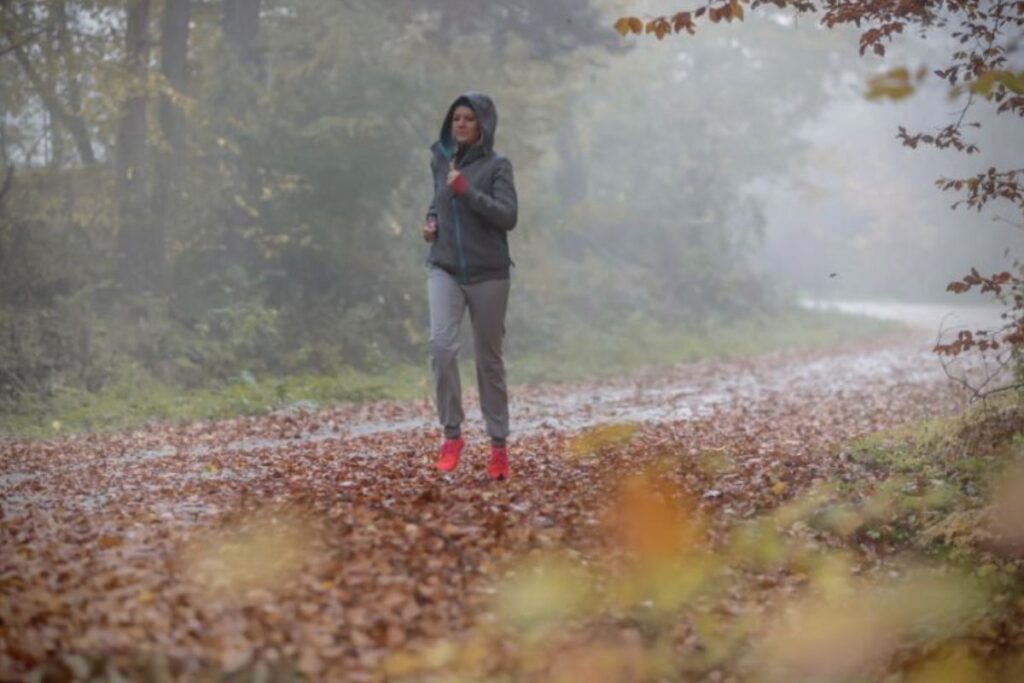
{"x": 8, "y": 179}
{"x": 1001, "y": 219}
{"x": 978, "y": 389}
{"x": 71, "y": 121}
{"x": 17, "y": 46}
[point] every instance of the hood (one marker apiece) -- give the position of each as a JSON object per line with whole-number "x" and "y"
{"x": 486, "y": 115}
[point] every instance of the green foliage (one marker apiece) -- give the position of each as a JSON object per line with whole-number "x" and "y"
{"x": 292, "y": 242}
{"x": 181, "y": 388}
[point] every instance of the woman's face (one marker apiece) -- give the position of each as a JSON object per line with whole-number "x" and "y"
{"x": 465, "y": 128}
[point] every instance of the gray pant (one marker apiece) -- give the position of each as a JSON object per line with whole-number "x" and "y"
{"x": 487, "y": 302}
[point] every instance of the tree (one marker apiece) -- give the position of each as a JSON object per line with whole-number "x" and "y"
{"x": 139, "y": 255}
{"x": 237, "y": 104}
{"x": 174, "y": 33}
{"x": 22, "y": 28}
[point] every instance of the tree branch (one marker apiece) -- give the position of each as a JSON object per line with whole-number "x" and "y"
{"x": 70, "y": 121}
{"x": 23, "y": 43}
{"x": 8, "y": 180}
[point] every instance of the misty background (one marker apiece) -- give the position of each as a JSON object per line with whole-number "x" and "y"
{"x": 217, "y": 192}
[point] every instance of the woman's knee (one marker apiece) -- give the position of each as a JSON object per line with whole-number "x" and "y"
{"x": 443, "y": 349}
{"x": 491, "y": 368}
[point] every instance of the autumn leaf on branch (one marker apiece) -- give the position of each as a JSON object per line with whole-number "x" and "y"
{"x": 627, "y": 25}
{"x": 985, "y": 187}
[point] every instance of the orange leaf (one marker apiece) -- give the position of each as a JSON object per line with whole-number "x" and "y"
{"x": 108, "y": 541}
{"x": 650, "y": 523}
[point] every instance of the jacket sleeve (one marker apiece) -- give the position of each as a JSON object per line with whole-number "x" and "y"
{"x": 432, "y": 209}
{"x": 501, "y": 207}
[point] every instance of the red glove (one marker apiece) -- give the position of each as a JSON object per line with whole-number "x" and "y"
{"x": 458, "y": 184}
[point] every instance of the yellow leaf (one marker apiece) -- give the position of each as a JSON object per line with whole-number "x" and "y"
{"x": 402, "y": 664}
{"x": 440, "y": 654}
{"x": 599, "y": 438}
{"x": 987, "y": 81}
{"x": 893, "y": 84}
{"x": 258, "y": 553}
{"x": 622, "y": 26}
{"x": 958, "y": 667}
{"x": 778, "y": 488}
{"x": 636, "y": 25}
{"x": 544, "y": 594}
{"x": 737, "y": 9}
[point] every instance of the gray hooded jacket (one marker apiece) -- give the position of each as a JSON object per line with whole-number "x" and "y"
{"x": 472, "y": 234}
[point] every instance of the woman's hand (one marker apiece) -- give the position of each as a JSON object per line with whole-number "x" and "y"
{"x": 430, "y": 230}
{"x": 456, "y": 180}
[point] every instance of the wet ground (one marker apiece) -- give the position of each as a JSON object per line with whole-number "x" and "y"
{"x": 686, "y": 392}
{"x": 95, "y": 530}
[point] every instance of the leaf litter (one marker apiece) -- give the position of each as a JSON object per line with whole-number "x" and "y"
{"x": 324, "y": 542}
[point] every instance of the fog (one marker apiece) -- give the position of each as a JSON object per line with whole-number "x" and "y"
{"x": 240, "y": 191}
{"x": 864, "y": 207}
{"x": 854, "y": 213}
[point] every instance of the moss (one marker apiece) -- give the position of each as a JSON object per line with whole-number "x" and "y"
{"x": 936, "y": 476}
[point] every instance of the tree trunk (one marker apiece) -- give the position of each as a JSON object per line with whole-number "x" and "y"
{"x": 137, "y": 257}
{"x": 174, "y": 33}
{"x": 173, "y": 58}
{"x": 241, "y": 30}
{"x": 67, "y": 52}
{"x": 50, "y": 47}
{"x": 571, "y": 178}
{"x": 241, "y": 33}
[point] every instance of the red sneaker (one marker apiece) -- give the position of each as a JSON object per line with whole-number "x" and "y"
{"x": 497, "y": 468}
{"x": 449, "y": 456}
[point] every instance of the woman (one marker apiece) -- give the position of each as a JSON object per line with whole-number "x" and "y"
{"x": 467, "y": 225}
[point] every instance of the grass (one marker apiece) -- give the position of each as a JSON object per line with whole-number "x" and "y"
{"x": 134, "y": 397}
{"x": 940, "y": 475}
{"x": 649, "y": 344}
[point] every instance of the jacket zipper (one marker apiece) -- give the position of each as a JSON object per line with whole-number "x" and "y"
{"x": 458, "y": 241}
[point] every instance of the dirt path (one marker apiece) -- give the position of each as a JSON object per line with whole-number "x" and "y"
{"x": 124, "y": 543}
